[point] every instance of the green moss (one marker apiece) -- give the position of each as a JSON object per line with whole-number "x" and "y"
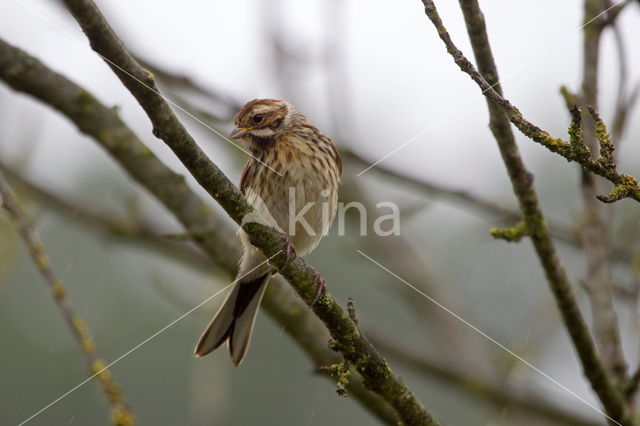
{"x": 627, "y": 186}
{"x": 606, "y": 145}
{"x": 86, "y": 103}
{"x": 511, "y": 234}
{"x": 580, "y": 150}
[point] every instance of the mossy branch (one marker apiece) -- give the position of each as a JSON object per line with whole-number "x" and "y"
{"x": 299, "y": 323}
{"x": 121, "y": 415}
{"x": 501, "y": 112}
{"x": 27, "y": 74}
{"x": 376, "y": 373}
{"x": 628, "y": 186}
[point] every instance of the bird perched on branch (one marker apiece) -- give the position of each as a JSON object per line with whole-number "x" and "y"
{"x": 292, "y": 182}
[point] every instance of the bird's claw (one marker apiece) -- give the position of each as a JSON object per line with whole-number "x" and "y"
{"x": 289, "y": 251}
{"x": 320, "y": 282}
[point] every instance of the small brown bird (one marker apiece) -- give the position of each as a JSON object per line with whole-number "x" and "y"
{"x": 292, "y": 182}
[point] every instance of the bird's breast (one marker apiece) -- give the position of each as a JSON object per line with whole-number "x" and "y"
{"x": 300, "y": 200}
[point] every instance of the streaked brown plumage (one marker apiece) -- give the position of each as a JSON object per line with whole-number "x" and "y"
{"x": 293, "y": 166}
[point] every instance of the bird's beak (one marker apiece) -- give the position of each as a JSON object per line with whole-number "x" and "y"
{"x": 239, "y": 132}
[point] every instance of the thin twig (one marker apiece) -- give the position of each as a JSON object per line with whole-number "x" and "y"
{"x": 626, "y": 186}
{"x": 121, "y": 415}
{"x": 625, "y": 100}
{"x": 463, "y": 197}
{"x": 595, "y": 230}
{"x": 501, "y": 112}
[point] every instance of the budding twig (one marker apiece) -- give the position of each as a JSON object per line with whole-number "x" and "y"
{"x": 512, "y": 234}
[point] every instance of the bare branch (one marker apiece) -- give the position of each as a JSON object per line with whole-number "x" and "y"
{"x": 135, "y": 231}
{"x": 499, "y": 394}
{"x": 178, "y": 82}
{"x": 595, "y": 230}
{"x": 624, "y": 101}
{"x": 501, "y": 112}
{"x": 121, "y": 415}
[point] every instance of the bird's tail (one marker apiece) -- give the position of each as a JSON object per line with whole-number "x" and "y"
{"x": 234, "y": 321}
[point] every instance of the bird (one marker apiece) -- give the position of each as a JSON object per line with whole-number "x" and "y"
{"x": 292, "y": 181}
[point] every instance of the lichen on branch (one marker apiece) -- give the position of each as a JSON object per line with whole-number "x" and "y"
{"x": 627, "y": 186}
{"x": 501, "y": 113}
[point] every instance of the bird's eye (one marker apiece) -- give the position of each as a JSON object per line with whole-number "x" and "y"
{"x": 257, "y": 118}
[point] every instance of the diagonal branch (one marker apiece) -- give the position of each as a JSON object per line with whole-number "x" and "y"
{"x": 26, "y": 74}
{"x": 376, "y": 373}
{"x": 355, "y": 348}
{"x": 121, "y": 415}
{"x": 181, "y": 82}
{"x": 501, "y": 112}
{"x": 298, "y": 321}
{"x": 465, "y": 199}
{"x": 135, "y": 230}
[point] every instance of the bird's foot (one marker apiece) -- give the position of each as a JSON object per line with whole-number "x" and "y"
{"x": 289, "y": 251}
{"x": 320, "y": 282}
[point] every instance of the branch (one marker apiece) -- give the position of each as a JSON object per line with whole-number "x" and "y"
{"x": 437, "y": 324}
{"x": 181, "y": 81}
{"x": 626, "y": 186}
{"x": 501, "y": 112}
{"x": 135, "y": 230}
{"x": 121, "y": 415}
{"x": 298, "y": 322}
{"x": 499, "y": 395}
{"x": 355, "y": 348}
{"x": 632, "y": 385}
{"x": 464, "y": 198}
{"x": 208, "y": 231}
{"x": 625, "y": 100}
{"x": 596, "y": 227}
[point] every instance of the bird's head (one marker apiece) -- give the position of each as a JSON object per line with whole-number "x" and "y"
{"x": 263, "y": 119}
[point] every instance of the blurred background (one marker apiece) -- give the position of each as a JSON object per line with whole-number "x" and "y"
{"x": 372, "y": 75}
